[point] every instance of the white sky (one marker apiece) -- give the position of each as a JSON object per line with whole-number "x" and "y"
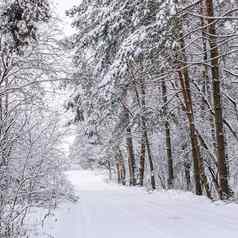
{"x": 61, "y": 7}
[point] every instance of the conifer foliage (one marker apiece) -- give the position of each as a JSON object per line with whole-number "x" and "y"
{"x": 156, "y": 82}
{"x": 20, "y": 20}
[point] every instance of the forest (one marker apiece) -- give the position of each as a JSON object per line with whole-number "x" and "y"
{"x": 147, "y": 89}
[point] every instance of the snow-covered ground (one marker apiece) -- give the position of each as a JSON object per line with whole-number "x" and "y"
{"x": 111, "y": 211}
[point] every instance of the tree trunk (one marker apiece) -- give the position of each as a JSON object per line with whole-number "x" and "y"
{"x": 123, "y": 173}
{"x": 185, "y": 85}
{"x": 145, "y": 139}
{"x": 122, "y": 168}
{"x": 205, "y": 73}
{"x": 198, "y": 167}
{"x": 131, "y": 156}
{"x": 145, "y": 135}
{"x": 187, "y": 167}
{"x": 217, "y": 104}
{"x": 152, "y": 173}
{"x": 109, "y": 170}
{"x": 142, "y": 161}
{"x": 118, "y": 172}
{"x": 167, "y": 137}
{"x": 187, "y": 176}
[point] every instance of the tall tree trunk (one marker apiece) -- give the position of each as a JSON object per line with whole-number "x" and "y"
{"x": 203, "y": 178}
{"x": 122, "y": 168}
{"x": 198, "y": 166}
{"x": 205, "y": 72}
{"x": 142, "y": 161}
{"x": 123, "y": 173}
{"x": 167, "y": 137}
{"x": 185, "y": 86}
{"x": 206, "y": 82}
{"x": 187, "y": 167}
{"x": 152, "y": 173}
{"x": 145, "y": 139}
{"x": 187, "y": 175}
{"x": 118, "y": 172}
{"x": 145, "y": 135}
{"x": 131, "y": 156}
{"x": 184, "y": 80}
{"x": 217, "y": 104}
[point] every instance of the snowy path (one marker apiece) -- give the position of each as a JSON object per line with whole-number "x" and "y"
{"x": 109, "y": 211}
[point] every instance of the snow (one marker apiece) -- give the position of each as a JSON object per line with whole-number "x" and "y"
{"x": 107, "y": 210}
{"x": 61, "y": 6}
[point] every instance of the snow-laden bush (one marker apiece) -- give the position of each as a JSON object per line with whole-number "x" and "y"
{"x": 32, "y": 175}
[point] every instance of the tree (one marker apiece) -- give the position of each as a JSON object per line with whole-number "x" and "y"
{"x": 30, "y": 159}
{"x": 139, "y": 48}
{"x": 220, "y": 138}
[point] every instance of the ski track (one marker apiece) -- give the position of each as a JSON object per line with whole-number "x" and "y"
{"x": 111, "y": 211}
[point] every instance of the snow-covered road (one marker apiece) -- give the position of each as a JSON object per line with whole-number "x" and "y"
{"x": 112, "y": 211}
